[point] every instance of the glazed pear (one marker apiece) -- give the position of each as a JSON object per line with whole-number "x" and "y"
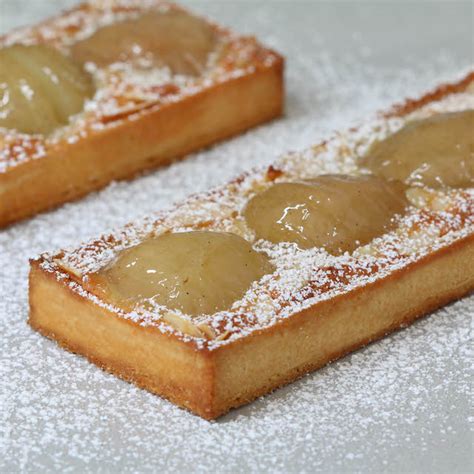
{"x": 174, "y": 38}
{"x": 437, "y": 151}
{"x": 40, "y": 88}
{"x": 195, "y": 272}
{"x": 336, "y": 212}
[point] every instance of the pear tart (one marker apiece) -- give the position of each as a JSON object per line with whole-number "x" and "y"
{"x": 242, "y": 289}
{"x": 109, "y": 89}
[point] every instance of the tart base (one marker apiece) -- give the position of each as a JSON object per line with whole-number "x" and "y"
{"x": 211, "y": 382}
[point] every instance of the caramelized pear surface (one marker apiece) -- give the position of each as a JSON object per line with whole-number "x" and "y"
{"x": 40, "y": 88}
{"x": 195, "y": 272}
{"x": 336, "y": 212}
{"x": 174, "y": 38}
{"x": 436, "y": 152}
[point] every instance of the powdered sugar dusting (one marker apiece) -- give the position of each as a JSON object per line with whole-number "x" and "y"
{"x": 301, "y": 278}
{"x": 400, "y": 405}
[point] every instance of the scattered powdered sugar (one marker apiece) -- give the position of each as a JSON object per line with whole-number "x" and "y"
{"x": 399, "y": 405}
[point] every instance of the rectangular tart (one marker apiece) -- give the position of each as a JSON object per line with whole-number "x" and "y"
{"x": 314, "y": 308}
{"x": 141, "y": 116}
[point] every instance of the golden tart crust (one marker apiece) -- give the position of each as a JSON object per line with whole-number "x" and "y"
{"x": 314, "y": 308}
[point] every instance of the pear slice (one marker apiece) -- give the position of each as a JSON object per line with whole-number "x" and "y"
{"x": 436, "y": 152}
{"x": 173, "y": 38}
{"x": 41, "y": 88}
{"x": 197, "y": 272}
{"x": 335, "y": 212}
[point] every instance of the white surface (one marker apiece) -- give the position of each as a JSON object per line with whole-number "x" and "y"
{"x": 400, "y": 405}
